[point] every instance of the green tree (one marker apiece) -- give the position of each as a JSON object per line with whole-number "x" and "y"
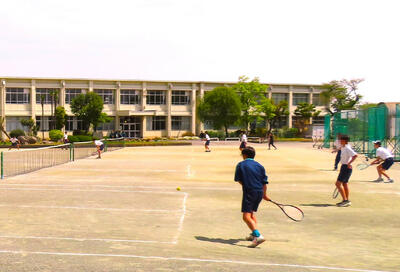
{"x": 341, "y": 95}
{"x": 273, "y": 113}
{"x": 60, "y": 117}
{"x": 221, "y": 107}
{"x": 54, "y": 93}
{"x": 304, "y": 112}
{"x": 31, "y": 125}
{"x": 367, "y": 106}
{"x": 88, "y": 108}
{"x": 104, "y": 118}
{"x": 251, "y": 93}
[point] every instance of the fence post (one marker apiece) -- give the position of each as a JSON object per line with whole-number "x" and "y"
{"x": 73, "y": 151}
{"x": 2, "y": 169}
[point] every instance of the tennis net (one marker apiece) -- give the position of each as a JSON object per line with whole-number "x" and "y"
{"x": 23, "y": 161}
{"x": 27, "y": 160}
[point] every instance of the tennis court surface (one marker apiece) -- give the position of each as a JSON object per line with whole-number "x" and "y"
{"x": 123, "y": 213}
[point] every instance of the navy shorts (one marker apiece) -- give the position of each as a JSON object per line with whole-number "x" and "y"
{"x": 207, "y": 142}
{"x": 251, "y": 200}
{"x": 344, "y": 174}
{"x": 242, "y": 145}
{"x": 102, "y": 147}
{"x": 387, "y": 163}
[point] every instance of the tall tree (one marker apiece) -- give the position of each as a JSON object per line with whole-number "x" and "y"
{"x": 250, "y": 93}
{"x": 31, "y": 125}
{"x": 60, "y": 117}
{"x": 304, "y": 112}
{"x": 88, "y": 108}
{"x": 341, "y": 95}
{"x": 221, "y": 107}
{"x": 273, "y": 113}
{"x": 54, "y": 94}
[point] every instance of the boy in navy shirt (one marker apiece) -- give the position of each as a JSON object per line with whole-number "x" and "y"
{"x": 251, "y": 175}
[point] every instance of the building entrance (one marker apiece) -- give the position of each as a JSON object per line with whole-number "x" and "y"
{"x": 131, "y": 126}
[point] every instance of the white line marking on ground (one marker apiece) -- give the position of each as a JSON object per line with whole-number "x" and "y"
{"x": 125, "y": 170}
{"x": 89, "y": 208}
{"x": 83, "y": 239}
{"x": 180, "y": 228}
{"x": 83, "y": 190}
{"x": 188, "y": 260}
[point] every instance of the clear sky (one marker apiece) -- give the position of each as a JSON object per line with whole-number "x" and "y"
{"x": 285, "y": 41}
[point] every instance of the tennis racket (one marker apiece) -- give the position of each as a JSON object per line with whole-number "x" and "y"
{"x": 363, "y": 166}
{"x": 335, "y": 193}
{"x": 293, "y": 212}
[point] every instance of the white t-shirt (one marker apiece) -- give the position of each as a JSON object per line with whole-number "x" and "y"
{"x": 65, "y": 136}
{"x": 347, "y": 154}
{"x": 383, "y": 153}
{"x": 244, "y": 138}
{"x": 207, "y": 137}
{"x": 98, "y": 142}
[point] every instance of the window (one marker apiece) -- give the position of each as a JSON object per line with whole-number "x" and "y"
{"x": 73, "y": 123}
{"x": 71, "y": 94}
{"x": 130, "y": 97}
{"x": 319, "y": 120}
{"x": 281, "y": 122}
{"x": 107, "y": 95}
{"x": 17, "y": 96}
{"x": 299, "y": 98}
{"x": 107, "y": 126}
{"x": 156, "y": 123}
{"x": 46, "y": 93}
{"x": 278, "y": 97}
{"x": 156, "y": 97}
{"x": 14, "y": 122}
{"x": 180, "y": 122}
{"x": 316, "y": 100}
{"x": 43, "y": 124}
{"x": 180, "y": 97}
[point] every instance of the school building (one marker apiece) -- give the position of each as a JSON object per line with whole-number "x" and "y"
{"x": 140, "y": 108}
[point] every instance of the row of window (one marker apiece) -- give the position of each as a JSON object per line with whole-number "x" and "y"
{"x": 128, "y": 97}
{"x": 153, "y": 123}
{"x": 132, "y": 97}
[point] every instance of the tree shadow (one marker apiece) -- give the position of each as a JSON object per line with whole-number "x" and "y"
{"x": 318, "y": 205}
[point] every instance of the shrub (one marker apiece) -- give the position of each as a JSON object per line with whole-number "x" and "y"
{"x": 72, "y": 139}
{"x": 84, "y": 138}
{"x": 17, "y": 133}
{"x": 288, "y": 132}
{"x": 81, "y": 132}
{"x": 55, "y": 135}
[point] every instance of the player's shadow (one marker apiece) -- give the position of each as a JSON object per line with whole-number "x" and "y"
{"x": 221, "y": 241}
{"x": 318, "y": 205}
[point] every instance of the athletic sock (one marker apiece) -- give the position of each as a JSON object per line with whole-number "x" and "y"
{"x": 256, "y": 233}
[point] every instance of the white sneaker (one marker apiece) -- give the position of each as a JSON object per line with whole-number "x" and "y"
{"x": 378, "y": 180}
{"x": 250, "y": 237}
{"x": 257, "y": 241}
{"x": 390, "y": 180}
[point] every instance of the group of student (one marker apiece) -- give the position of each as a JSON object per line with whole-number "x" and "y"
{"x": 346, "y": 156}
{"x": 243, "y": 140}
{"x": 252, "y": 177}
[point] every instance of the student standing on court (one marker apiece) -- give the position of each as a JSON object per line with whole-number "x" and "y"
{"x": 243, "y": 141}
{"x": 207, "y": 139}
{"x": 251, "y": 175}
{"x": 346, "y": 158}
{"x": 385, "y": 156}
{"x": 337, "y": 148}
{"x": 271, "y": 141}
{"x": 99, "y": 146}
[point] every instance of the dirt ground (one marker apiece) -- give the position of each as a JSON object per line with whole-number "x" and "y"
{"x": 123, "y": 213}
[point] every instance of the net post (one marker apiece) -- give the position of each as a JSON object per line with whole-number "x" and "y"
{"x": 73, "y": 151}
{"x": 2, "y": 164}
{"x": 105, "y": 145}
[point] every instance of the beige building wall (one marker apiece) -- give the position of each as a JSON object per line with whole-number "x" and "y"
{"x": 144, "y": 111}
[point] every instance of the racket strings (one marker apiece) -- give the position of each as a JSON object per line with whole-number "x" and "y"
{"x": 293, "y": 212}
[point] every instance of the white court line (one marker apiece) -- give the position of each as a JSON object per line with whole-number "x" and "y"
{"x": 84, "y": 190}
{"x": 180, "y": 228}
{"x": 84, "y": 239}
{"x": 120, "y": 170}
{"x": 89, "y": 208}
{"x": 188, "y": 260}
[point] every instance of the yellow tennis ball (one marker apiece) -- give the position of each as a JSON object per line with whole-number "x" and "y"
{"x": 178, "y": 188}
